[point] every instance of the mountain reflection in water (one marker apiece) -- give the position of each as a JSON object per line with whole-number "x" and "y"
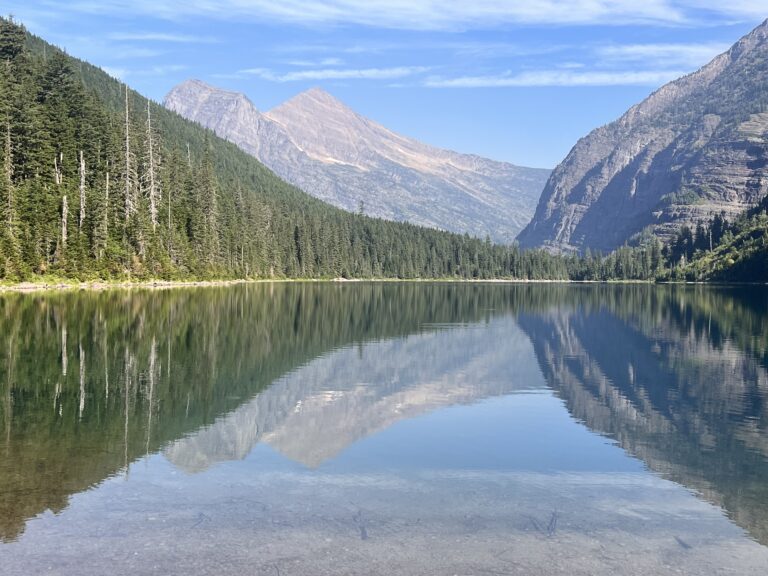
{"x": 368, "y": 380}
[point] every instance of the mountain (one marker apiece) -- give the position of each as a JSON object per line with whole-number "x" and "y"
{"x": 694, "y": 148}
{"x": 100, "y": 182}
{"x": 328, "y": 150}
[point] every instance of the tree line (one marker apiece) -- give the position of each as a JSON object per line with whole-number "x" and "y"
{"x": 98, "y": 182}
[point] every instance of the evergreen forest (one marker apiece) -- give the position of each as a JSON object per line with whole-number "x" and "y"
{"x": 98, "y": 182}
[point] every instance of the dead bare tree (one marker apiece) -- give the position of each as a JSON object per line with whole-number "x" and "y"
{"x": 130, "y": 171}
{"x": 64, "y": 216}
{"x": 58, "y": 179}
{"x": 82, "y": 191}
{"x": 8, "y": 173}
{"x": 151, "y": 176}
{"x": 104, "y": 223}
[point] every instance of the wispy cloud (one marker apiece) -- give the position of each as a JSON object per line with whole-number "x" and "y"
{"x": 404, "y": 14}
{"x": 161, "y": 70}
{"x": 732, "y": 8}
{"x": 316, "y": 63}
{"x": 661, "y": 55}
{"x": 414, "y": 14}
{"x": 131, "y": 52}
{"x": 557, "y": 78}
{"x": 162, "y": 37}
{"x": 118, "y": 73}
{"x": 336, "y": 73}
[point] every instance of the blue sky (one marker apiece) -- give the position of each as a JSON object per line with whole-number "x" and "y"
{"x": 511, "y": 80}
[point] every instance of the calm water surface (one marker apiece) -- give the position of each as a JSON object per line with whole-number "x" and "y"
{"x": 312, "y": 429}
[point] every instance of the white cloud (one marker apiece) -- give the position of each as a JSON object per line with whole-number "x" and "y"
{"x": 126, "y": 53}
{"x": 336, "y": 73}
{"x": 316, "y": 63}
{"x": 417, "y": 14}
{"x": 557, "y": 78}
{"x": 662, "y": 55}
{"x": 162, "y": 37}
{"x": 733, "y": 8}
{"x": 403, "y": 14}
{"x": 165, "y": 69}
{"x": 160, "y": 70}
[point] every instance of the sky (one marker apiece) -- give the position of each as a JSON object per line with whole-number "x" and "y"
{"x": 519, "y": 81}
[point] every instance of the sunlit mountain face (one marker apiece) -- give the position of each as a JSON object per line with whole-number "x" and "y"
{"x": 317, "y": 428}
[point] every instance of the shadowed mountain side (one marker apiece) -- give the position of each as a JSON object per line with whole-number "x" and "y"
{"x": 691, "y": 407}
{"x": 695, "y": 147}
{"x": 319, "y": 144}
{"x": 320, "y": 409}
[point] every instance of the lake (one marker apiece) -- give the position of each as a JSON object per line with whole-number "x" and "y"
{"x": 385, "y": 428}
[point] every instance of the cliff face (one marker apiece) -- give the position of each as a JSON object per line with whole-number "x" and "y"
{"x": 317, "y": 143}
{"x": 695, "y": 147}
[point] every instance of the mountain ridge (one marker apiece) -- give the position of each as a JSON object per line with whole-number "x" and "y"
{"x": 318, "y": 143}
{"x": 676, "y": 158}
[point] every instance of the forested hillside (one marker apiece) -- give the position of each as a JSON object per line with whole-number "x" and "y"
{"x": 98, "y": 181}
{"x": 723, "y": 251}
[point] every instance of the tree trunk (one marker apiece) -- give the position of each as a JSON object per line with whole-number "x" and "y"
{"x": 130, "y": 205}
{"x": 82, "y": 191}
{"x": 154, "y": 192}
{"x": 8, "y": 174}
{"x": 64, "y": 215}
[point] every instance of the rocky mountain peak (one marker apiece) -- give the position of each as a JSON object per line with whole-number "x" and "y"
{"x": 695, "y": 147}
{"x": 323, "y": 146}
{"x": 316, "y": 98}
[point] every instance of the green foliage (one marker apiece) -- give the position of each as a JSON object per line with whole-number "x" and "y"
{"x": 168, "y": 199}
{"x": 157, "y": 196}
{"x": 723, "y": 251}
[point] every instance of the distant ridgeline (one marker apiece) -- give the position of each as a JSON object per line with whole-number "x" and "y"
{"x": 97, "y": 181}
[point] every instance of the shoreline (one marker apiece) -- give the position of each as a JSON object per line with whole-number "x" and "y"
{"x": 101, "y": 285}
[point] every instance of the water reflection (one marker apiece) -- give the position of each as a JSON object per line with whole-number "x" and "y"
{"x": 392, "y": 412}
{"x": 91, "y": 382}
{"x": 318, "y": 410}
{"x": 678, "y": 377}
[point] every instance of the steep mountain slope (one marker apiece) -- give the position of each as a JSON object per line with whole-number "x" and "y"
{"x": 695, "y": 147}
{"x": 325, "y": 148}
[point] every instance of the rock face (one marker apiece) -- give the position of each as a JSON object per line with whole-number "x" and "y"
{"x": 331, "y": 152}
{"x": 695, "y": 147}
